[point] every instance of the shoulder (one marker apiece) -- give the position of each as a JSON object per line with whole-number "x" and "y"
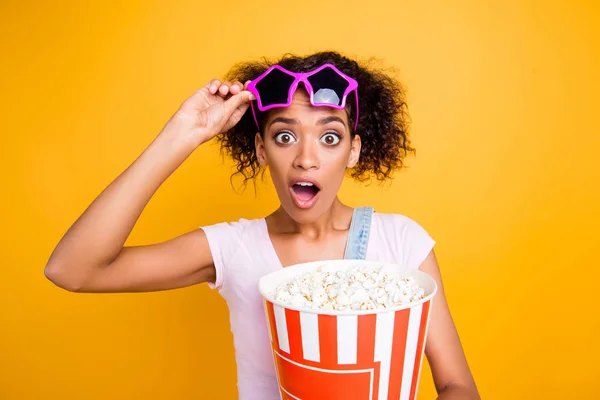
{"x": 233, "y": 230}
{"x": 410, "y": 242}
{"x": 397, "y": 223}
{"x": 225, "y": 240}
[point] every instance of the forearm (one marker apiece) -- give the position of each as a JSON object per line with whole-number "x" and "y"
{"x": 98, "y": 235}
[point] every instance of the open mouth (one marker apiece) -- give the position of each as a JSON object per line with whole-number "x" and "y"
{"x": 305, "y": 193}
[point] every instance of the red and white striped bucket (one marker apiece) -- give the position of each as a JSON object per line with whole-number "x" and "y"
{"x": 326, "y": 354}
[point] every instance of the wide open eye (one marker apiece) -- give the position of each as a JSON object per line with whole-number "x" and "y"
{"x": 285, "y": 138}
{"x": 331, "y": 139}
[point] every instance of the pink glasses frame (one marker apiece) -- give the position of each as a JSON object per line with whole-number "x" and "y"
{"x": 303, "y": 77}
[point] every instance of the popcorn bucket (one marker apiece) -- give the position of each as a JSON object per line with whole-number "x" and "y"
{"x": 334, "y": 354}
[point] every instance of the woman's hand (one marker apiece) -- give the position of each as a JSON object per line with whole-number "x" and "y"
{"x": 214, "y": 109}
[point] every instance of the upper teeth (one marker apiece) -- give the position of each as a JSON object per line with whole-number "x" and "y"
{"x": 304, "y": 184}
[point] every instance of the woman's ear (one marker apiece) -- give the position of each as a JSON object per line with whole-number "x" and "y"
{"x": 354, "y": 151}
{"x": 261, "y": 155}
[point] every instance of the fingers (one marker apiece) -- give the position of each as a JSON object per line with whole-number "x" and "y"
{"x": 236, "y": 88}
{"x": 213, "y": 86}
{"x": 224, "y": 89}
{"x": 228, "y": 88}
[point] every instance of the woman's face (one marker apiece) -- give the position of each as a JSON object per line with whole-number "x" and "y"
{"x": 307, "y": 150}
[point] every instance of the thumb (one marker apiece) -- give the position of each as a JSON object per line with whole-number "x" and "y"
{"x": 236, "y": 101}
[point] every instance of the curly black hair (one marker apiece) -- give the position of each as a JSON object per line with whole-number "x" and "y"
{"x": 383, "y": 115}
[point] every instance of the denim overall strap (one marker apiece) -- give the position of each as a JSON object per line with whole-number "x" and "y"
{"x": 358, "y": 237}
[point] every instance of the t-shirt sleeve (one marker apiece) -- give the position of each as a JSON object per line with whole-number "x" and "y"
{"x": 415, "y": 242}
{"x": 222, "y": 239}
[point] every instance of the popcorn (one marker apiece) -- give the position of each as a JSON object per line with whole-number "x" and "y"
{"x": 358, "y": 288}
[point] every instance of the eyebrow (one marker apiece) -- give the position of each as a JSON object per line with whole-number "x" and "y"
{"x": 322, "y": 121}
{"x": 289, "y": 121}
{"x": 326, "y": 120}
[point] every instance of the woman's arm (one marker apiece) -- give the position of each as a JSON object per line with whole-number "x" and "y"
{"x": 451, "y": 374}
{"x": 91, "y": 258}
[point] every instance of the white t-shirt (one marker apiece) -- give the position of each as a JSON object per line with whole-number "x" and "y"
{"x": 243, "y": 252}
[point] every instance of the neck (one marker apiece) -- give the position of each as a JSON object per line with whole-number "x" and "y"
{"x": 337, "y": 217}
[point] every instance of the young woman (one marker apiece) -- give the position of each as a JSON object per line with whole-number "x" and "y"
{"x": 310, "y": 120}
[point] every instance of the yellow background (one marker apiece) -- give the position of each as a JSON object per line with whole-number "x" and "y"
{"x": 504, "y": 101}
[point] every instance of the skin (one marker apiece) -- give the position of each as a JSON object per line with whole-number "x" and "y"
{"x": 300, "y": 141}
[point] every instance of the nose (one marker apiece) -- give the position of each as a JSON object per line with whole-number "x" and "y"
{"x": 307, "y": 156}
